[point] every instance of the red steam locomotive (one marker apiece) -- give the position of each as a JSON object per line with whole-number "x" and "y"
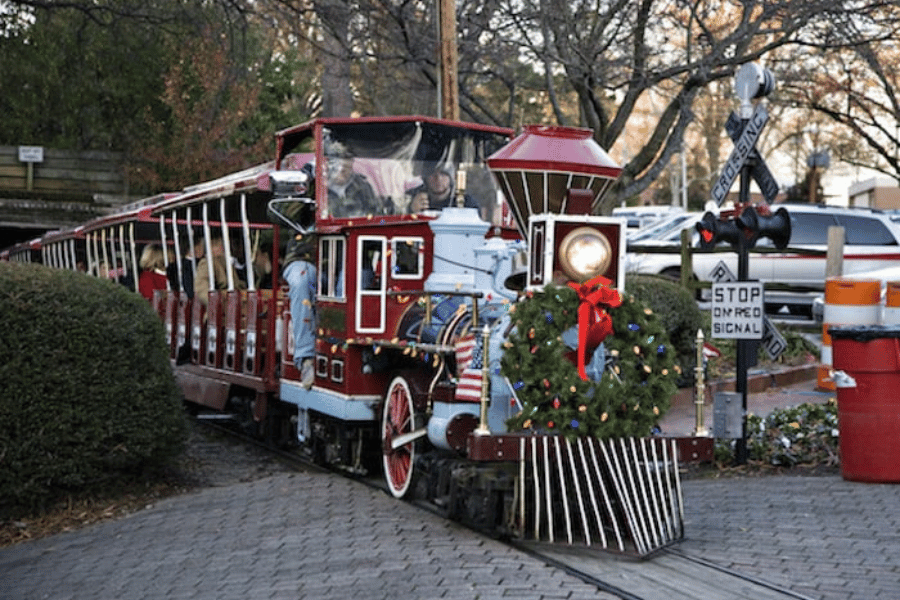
{"x": 424, "y": 232}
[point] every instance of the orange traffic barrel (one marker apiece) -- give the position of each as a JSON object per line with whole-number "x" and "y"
{"x": 847, "y": 302}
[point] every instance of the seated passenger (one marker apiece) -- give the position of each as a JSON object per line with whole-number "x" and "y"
{"x": 202, "y": 285}
{"x": 440, "y": 188}
{"x": 349, "y": 193}
{"x": 262, "y": 268}
{"x": 188, "y": 260}
{"x": 416, "y": 196}
{"x": 153, "y": 271}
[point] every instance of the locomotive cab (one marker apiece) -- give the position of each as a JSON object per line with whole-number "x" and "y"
{"x": 366, "y": 187}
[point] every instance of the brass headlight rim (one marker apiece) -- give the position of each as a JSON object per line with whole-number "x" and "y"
{"x": 569, "y": 239}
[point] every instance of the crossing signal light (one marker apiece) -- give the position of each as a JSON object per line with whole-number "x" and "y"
{"x": 752, "y": 224}
{"x": 714, "y": 230}
{"x": 776, "y": 227}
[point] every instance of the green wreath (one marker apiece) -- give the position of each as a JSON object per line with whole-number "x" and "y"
{"x": 638, "y": 376}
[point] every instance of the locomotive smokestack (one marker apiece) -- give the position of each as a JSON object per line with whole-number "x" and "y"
{"x": 540, "y": 170}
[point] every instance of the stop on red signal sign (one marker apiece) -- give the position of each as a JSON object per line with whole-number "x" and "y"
{"x": 737, "y": 310}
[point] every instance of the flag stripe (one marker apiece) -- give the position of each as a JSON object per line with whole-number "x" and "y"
{"x": 469, "y": 387}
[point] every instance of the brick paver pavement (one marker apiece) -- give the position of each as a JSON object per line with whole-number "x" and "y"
{"x": 321, "y": 536}
{"x": 298, "y": 536}
{"x": 819, "y": 536}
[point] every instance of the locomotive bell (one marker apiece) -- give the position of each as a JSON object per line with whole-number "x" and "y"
{"x": 554, "y": 179}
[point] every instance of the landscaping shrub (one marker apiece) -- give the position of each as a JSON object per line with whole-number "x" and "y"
{"x": 677, "y": 309}
{"x": 807, "y": 435}
{"x": 88, "y": 392}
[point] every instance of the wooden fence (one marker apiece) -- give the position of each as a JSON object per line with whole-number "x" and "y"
{"x": 64, "y": 174}
{"x": 58, "y": 188}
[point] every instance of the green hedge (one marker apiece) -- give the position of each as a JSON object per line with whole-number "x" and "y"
{"x": 677, "y": 309}
{"x": 88, "y": 394}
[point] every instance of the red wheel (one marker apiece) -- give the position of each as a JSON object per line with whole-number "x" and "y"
{"x": 397, "y": 420}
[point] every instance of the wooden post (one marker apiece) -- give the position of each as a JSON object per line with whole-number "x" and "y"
{"x": 687, "y": 263}
{"x": 834, "y": 260}
{"x": 448, "y": 107}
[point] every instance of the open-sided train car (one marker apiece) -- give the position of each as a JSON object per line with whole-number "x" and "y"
{"x": 109, "y": 246}
{"x": 224, "y": 343}
{"x": 28, "y": 251}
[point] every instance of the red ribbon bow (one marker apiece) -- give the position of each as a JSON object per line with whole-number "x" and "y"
{"x": 593, "y": 294}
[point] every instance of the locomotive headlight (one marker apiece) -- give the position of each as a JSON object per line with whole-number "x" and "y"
{"x": 584, "y": 253}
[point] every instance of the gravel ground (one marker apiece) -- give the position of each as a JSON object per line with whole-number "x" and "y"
{"x": 214, "y": 459}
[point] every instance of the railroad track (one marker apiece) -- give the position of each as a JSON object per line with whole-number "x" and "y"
{"x": 669, "y": 573}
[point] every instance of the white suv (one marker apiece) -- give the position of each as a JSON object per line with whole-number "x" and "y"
{"x": 871, "y": 241}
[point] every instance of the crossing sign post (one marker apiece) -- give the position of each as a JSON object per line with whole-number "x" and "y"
{"x": 738, "y": 305}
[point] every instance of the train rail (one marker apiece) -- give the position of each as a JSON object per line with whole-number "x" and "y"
{"x": 668, "y": 573}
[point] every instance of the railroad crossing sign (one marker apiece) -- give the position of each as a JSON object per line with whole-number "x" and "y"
{"x": 759, "y": 171}
{"x": 772, "y": 341}
{"x": 743, "y": 147}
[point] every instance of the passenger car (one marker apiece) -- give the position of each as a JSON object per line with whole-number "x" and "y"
{"x": 871, "y": 241}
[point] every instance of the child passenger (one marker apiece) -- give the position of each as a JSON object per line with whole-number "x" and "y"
{"x": 153, "y": 271}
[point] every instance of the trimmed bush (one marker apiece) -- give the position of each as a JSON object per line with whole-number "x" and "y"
{"x": 88, "y": 392}
{"x": 678, "y": 311}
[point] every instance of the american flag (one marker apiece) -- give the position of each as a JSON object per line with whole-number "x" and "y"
{"x": 469, "y": 357}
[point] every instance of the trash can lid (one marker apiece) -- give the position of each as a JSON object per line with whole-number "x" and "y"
{"x": 864, "y": 333}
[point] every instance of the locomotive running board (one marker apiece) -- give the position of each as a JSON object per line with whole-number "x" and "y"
{"x": 621, "y": 494}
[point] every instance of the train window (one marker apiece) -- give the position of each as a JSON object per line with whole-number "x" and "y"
{"x": 337, "y": 370}
{"x": 371, "y": 267}
{"x": 371, "y": 270}
{"x": 407, "y": 258}
{"x": 331, "y": 267}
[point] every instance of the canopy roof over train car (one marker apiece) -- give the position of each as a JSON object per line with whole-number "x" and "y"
{"x": 391, "y": 156}
{"x": 27, "y": 251}
{"x": 62, "y": 235}
{"x": 138, "y": 215}
{"x": 248, "y": 181}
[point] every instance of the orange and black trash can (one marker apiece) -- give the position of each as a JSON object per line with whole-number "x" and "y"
{"x": 867, "y": 373}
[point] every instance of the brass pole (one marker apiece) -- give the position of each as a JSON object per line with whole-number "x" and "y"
{"x": 485, "y": 381}
{"x": 699, "y": 427}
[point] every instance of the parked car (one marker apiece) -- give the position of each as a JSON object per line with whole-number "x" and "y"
{"x": 639, "y": 217}
{"x": 660, "y": 229}
{"x": 871, "y": 241}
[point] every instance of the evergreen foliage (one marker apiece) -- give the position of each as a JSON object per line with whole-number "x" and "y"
{"x": 187, "y": 91}
{"x": 633, "y": 392}
{"x": 677, "y": 309}
{"x": 88, "y": 396}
